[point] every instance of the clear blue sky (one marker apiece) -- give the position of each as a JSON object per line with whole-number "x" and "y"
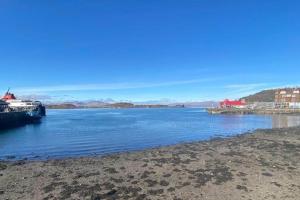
{"x": 183, "y": 50}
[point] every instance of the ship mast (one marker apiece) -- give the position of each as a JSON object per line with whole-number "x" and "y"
{"x": 7, "y": 91}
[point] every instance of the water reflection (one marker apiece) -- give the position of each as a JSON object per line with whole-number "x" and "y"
{"x": 282, "y": 121}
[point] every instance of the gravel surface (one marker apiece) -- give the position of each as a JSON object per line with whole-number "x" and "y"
{"x": 264, "y": 164}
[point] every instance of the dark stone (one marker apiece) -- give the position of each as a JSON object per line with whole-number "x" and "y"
{"x": 111, "y": 170}
{"x": 95, "y": 197}
{"x": 186, "y": 184}
{"x": 267, "y": 174}
{"x": 146, "y": 174}
{"x": 156, "y": 192}
{"x": 167, "y": 175}
{"x": 164, "y": 183}
{"x": 134, "y": 182}
{"x": 240, "y": 187}
{"x": 277, "y": 184}
{"x": 112, "y": 192}
{"x": 151, "y": 183}
{"x": 145, "y": 165}
{"x": 241, "y": 174}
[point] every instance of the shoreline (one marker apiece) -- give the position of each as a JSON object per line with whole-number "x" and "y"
{"x": 263, "y": 164}
{"x": 244, "y": 111}
{"x": 11, "y": 159}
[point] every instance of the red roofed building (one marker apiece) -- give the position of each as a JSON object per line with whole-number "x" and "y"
{"x": 232, "y": 104}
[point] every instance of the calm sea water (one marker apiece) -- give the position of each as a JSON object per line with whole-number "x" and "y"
{"x": 67, "y": 133}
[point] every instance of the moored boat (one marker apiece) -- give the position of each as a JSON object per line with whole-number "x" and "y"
{"x": 9, "y": 118}
{"x": 15, "y": 112}
{"x": 34, "y": 108}
{"x": 13, "y": 119}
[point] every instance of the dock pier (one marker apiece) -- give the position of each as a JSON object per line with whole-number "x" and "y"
{"x": 243, "y": 111}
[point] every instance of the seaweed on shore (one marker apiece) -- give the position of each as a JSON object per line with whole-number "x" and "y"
{"x": 3, "y": 166}
{"x": 218, "y": 175}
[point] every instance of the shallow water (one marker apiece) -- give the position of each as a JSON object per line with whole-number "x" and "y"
{"x": 68, "y": 133}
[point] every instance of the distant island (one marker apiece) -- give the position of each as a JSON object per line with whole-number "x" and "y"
{"x": 61, "y": 106}
{"x": 102, "y": 104}
{"x": 263, "y": 96}
{"x": 108, "y": 105}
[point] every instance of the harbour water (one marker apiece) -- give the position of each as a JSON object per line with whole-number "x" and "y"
{"x": 85, "y": 132}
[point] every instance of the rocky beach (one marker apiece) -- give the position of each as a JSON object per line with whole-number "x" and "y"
{"x": 264, "y": 164}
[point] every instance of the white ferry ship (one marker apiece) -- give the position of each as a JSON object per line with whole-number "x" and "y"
{"x": 34, "y": 108}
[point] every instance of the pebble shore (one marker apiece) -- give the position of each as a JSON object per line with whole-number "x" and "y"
{"x": 264, "y": 164}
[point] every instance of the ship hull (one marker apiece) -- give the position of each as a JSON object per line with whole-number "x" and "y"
{"x": 12, "y": 119}
{"x": 16, "y": 119}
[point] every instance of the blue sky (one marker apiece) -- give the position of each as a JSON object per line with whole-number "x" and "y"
{"x": 184, "y": 50}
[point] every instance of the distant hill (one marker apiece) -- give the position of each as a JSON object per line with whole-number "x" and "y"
{"x": 102, "y": 104}
{"x": 61, "y": 106}
{"x": 121, "y": 105}
{"x": 263, "y": 96}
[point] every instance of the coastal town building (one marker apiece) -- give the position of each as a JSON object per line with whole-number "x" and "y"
{"x": 261, "y": 105}
{"x": 233, "y": 104}
{"x": 287, "y": 98}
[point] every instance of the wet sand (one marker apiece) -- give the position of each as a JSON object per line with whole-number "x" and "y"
{"x": 261, "y": 165}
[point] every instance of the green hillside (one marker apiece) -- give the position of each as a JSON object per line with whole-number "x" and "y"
{"x": 263, "y": 96}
